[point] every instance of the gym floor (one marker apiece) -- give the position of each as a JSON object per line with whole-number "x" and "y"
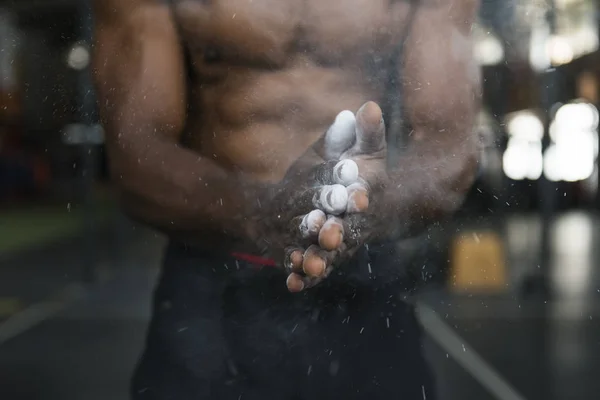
{"x": 488, "y": 338}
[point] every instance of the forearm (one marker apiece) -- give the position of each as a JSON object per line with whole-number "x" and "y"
{"x": 175, "y": 190}
{"x": 139, "y": 72}
{"x": 432, "y": 180}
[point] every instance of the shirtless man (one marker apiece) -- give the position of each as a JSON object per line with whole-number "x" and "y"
{"x": 224, "y": 126}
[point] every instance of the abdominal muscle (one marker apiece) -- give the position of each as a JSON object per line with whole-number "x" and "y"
{"x": 259, "y": 122}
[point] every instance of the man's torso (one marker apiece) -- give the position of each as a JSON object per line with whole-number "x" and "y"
{"x": 269, "y": 76}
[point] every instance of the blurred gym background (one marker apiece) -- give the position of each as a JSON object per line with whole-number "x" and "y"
{"x": 509, "y": 289}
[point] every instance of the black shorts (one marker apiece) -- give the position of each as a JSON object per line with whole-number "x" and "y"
{"x": 224, "y": 330}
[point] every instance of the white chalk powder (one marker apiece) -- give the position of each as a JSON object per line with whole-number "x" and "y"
{"x": 312, "y": 222}
{"x": 341, "y": 135}
{"x": 334, "y": 199}
{"x": 345, "y": 172}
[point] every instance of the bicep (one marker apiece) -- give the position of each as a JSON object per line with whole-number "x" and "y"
{"x": 442, "y": 78}
{"x": 138, "y": 70}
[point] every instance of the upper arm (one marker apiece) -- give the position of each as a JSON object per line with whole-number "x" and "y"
{"x": 138, "y": 70}
{"x": 442, "y": 78}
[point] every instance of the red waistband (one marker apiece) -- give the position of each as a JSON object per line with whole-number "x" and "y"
{"x": 252, "y": 259}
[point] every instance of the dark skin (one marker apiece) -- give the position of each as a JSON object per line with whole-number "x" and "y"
{"x": 269, "y": 77}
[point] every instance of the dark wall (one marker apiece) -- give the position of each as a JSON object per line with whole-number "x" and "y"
{"x": 49, "y": 93}
{"x": 49, "y": 89}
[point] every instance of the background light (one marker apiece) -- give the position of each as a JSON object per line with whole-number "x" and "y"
{"x": 522, "y": 160}
{"x": 571, "y": 156}
{"x": 78, "y": 57}
{"x": 525, "y": 125}
{"x": 523, "y": 156}
{"x": 559, "y": 50}
{"x": 576, "y": 117}
{"x": 489, "y": 50}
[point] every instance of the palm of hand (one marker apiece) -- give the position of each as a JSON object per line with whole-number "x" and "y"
{"x": 359, "y": 142}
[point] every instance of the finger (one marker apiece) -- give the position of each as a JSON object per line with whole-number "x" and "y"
{"x": 332, "y": 199}
{"x": 341, "y": 135}
{"x": 314, "y": 263}
{"x": 358, "y": 198}
{"x": 317, "y": 261}
{"x": 331, "y": 235}
{"x": 370, "y": 129}
{"x": 294, "y": 257}
{"x": 345, "y": 172}
{"x": 295, "y": 283}
{"x": 311, "y": 224}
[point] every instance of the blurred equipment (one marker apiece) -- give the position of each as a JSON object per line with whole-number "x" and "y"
{"x": 478, "y": 263}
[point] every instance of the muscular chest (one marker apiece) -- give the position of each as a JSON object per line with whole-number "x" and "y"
{"x": 270, "y": 33}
